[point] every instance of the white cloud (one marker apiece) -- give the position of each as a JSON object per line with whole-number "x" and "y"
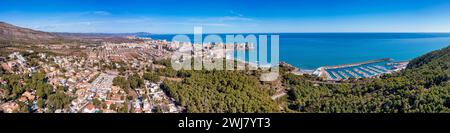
{"x": 102, "y": 13}
{"x": 235, "y": 13}
{"x": 231, "y": 18}
{"x": 61, "y": 26}
{"x": 224, "y": 19}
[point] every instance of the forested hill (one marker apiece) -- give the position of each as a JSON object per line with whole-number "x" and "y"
{"x": 430, "y": 69}
{"x": 442, "y": 55}
{"x": 422, "y": 87}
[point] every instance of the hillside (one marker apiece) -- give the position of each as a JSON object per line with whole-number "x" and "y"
{"x": 99, "y": 35}
{"x": 431, "y": 69}
{"x": 14, "y": 38}
{"x": 18, "y": 36}
{"x": 422, "y": 87}
{"x": 10, "y": 32}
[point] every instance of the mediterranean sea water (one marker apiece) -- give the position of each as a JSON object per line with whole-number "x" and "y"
{"x": 313, "y": 50}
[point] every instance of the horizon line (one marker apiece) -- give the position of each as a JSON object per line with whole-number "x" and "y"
{"x": 280, "y": 32}
{"x": 345, "y": 32}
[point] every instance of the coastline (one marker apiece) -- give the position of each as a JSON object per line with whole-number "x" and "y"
{"x": 309, "y": 51}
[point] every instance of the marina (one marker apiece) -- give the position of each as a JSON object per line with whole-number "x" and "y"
{"x": 367, "y": 69}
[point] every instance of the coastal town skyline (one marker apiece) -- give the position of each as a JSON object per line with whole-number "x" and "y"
{"x": 229, "y": 17}
{"x": 217, "y": 65}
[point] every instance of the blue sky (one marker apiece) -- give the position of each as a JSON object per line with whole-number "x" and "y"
{"x": 229, "y": 16}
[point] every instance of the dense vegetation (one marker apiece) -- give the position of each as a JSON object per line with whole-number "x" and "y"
{"x": 216, "y": 91}
{"x": 132, "y": 82}
{"x": 46, "y": 95}
{"x": 221, "y": 91}
{"x": 422, "y": 87}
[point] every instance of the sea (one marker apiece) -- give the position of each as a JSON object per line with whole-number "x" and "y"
{"x": 309, "y": 51}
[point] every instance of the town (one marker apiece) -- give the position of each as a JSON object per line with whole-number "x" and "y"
{"x": 107, "y": 75}
{"x": 87, "y": 84}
